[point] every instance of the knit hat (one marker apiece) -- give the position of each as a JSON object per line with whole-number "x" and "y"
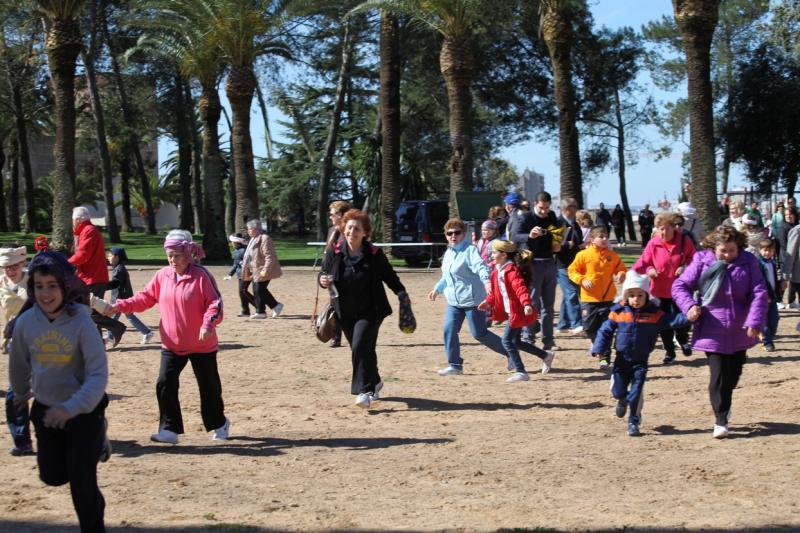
{"x": 12, "y": 256}
{"x": 512, "y": 198}
{"x": 634, "y": 280}
{"x": 504, "y": 246}
{"x": 489, "y": 224}
{"x": 119, "y": 252}
{"x": 687, "y": 209}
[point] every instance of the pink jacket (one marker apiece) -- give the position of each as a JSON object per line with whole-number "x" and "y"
{"x": 665, "y": 262}
{"x": 186, "y": 306}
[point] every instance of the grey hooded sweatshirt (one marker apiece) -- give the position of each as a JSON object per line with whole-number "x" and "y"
{"x": 63, "y": 362}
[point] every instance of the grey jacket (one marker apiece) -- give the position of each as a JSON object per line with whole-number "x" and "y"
{"x": 791, "y": 265}
{"x": 63, "y": 362}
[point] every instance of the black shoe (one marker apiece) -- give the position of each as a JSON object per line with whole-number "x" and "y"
{"x": 622, "y": 408}
{"x": 335, "y": 343}
{"x": 669, "y": 359}
{"x": 25, "y": 449}
{"x": 550, "y": 347}
{"x": 769, "y": 347}
{"x": 244, "y": 314}
{"x": 686, "y": 349}
{"x": 118, "y": 332}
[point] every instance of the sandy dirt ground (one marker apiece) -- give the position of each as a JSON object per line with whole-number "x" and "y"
{"x": 467, "y": 453}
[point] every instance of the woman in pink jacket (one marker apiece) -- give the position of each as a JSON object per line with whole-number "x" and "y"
{"x": 664, "y": 259}
{"x": 191, "y": 307}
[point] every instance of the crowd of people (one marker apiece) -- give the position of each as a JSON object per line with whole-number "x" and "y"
{"x": 726, "y": 286}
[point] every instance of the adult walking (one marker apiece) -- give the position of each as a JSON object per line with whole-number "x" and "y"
{"x": 736, "y": 215}
{"x": 664, "y": 259}
{"x": 602, "y": 217}
{"x": 357, "y": 270}
{"x": 261, "y": 265}
{"x": 782, "y": 238}
{"x": 89, "y": 259}
{"x": 464, "y": 280}
{"x": 647, "y": 221}
{"x": 336, "y": 211}
{"x": 618, "y": 221}
{"x": 691, "y": 224}
{"x": 569, "y": 316}
{"x": 511, "y": 202}
{"x": 729, "y": 313}
{"x": 540, "y": 232}
{"x": 190, "y": 306}
{"x": 791, "y": 264}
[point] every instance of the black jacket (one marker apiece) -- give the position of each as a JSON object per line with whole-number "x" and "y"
{"x": 541, "y": 247}
{"x": 120, "y": 283}
{"x": 380, "y": 272}
{"x": 571, "y": 243}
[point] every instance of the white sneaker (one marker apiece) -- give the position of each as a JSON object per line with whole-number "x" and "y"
{"x": 166, "y": 436}
{"x": 276, "y": 311}
{"x": 450, "y": 371}
{"x": 720, "y": 432}
{"x": 258, "y": 316}
{"x": 547, "y": 363}
{"x": 147, "y": 337}
{"x": 781, "y": 305}
{"x": 377, "y": 394}
{"x": 222, "y": 433}
{"x": 364, "y": 400}
{"x": 519, "y": 376}
{"x": 577, "y": 330}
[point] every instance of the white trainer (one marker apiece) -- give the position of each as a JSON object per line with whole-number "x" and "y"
{"x": 258, "y": 316}
{"x": 518, "y": 376}
{"x": 222, "y": 433}
{"x": 147, "y": 337}
{"x": 720, "y": 432}
{"x": 577, "y": 330}
{"x": 547, "y": 363}
{"x": 450, "y": 371}
{"x": 166, "y": 436}
{"x": 276, "y": 311}
{"x": 364, "y": 400}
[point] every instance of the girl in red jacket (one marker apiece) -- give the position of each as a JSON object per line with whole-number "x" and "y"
{"x": 508, "y": 298}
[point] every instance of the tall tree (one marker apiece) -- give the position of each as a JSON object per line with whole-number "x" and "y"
{"x": 389, "y": 121}
{"x": 183, "y": 137}
{"x": 63, "y": 44}
{"x": 696, "y": 20}
{"x": 13, "y": 186}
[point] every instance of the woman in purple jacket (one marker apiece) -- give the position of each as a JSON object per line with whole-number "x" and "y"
{"x": 728, "y": 314}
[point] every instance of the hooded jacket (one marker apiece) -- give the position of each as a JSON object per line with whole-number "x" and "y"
{"x": 464, "y": 276}
{"x": 518, "y": 296}
{"x": 741, "y": 303}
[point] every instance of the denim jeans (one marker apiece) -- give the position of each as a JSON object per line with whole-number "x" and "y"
{"x": 453, "y": 319}
{"x": 135, "y": 322}
{"x": 627, "y": 382}
{"x": 772, "y": 323}
{"x": 18, "y": 421}
{"x": 513, "y": 344}
{"x": 543, "y": 297}
{"x": 570, "y": 312}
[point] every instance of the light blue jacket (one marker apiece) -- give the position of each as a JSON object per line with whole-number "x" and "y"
{"x": 464, "y": 276}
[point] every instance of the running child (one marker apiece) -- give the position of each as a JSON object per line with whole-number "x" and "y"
{"x": 596, "y": 269}
{"x": 121, "y": 288}
{"x": 766, "y": 260}
{"x": 509, "y": 298}
{"x": 634, "y": 323}
{"x": 240, "y": 246}
{"x": 58, "y": 358}
{"x": 13, "y": 294}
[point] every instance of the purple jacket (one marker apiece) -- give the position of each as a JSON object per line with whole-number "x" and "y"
{"x": 740, "y": 303}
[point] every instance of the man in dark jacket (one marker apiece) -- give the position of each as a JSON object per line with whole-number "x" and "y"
{"x": 647, "y": 221}
{"x": 533, "y": 232}
{"x": 570, "y": 313}
{"x": 603, "y": 217}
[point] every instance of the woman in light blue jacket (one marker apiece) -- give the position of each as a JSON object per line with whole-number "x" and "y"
{"x": 463, "y": 282}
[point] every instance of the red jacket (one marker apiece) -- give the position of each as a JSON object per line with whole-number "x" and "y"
{"x": 518, "y": 297}
{"x": 89, "y": 254}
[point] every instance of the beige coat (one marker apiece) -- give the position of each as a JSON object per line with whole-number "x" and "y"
{"x": 261, "y": 263}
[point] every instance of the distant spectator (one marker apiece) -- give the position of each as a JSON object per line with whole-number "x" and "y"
{"x": 724, "y": 208}
{"x": 602, "y": 217}
{"x": 511, "y": 203}
{"x": 500, "y": 217}
{"x": 584, "y": 220}
{"x": 647, "y": 220}
{"x": 736, "y": 213}
{"x": 692, "y": 225}
{"x": 755, "y": 213}
{"x": 618, "y": 221}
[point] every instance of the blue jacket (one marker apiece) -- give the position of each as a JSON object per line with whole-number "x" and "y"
{"x": 637, "y": 330}
{"x": 464, "y": 276}
{"x": 238, "y": 257}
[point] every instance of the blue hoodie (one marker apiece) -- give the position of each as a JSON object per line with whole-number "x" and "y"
{"x": 464, "y": 276}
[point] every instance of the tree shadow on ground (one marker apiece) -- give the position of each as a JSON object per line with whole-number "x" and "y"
{"x": 426, "y": 404}
{"x": 756, "y": 429}
{"x": 265, "y": 446}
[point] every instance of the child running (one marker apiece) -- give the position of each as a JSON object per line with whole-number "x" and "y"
{"x": 765, "y": 256}
{"x": 121, "y": 289}
{"x": 637, "y": 321}
{"x": 57, "y": 356}
{"x": 508, "y": 298}
{"x": 596, "y": 269}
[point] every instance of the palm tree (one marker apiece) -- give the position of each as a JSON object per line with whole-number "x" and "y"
{"x": 63, "y": 43}
{"x": 555, "y": 23}
{"x": 390, "y": 121}
{"x": 453, "y": 19}
{"x": 697, "y": 20}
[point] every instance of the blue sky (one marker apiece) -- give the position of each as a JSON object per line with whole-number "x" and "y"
{"x": 647, "y": 182}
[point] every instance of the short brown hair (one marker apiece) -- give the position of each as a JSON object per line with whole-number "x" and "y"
{"x": 455, "y": 223}
{"x": 495, "y": 211}
{"x": 766, "y": 243}
{"x": 340, "y": 206}
{"x": 724, "y": 234}
{"x": 670, "y": 219}
{"x": 596, "y": 231}
{"x": 361, "y": 217}
{"x": 584, "y": 216}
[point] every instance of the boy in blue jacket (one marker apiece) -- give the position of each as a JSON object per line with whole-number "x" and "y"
{"x": 637, "y": 321}
{"x": 766, "y": 260}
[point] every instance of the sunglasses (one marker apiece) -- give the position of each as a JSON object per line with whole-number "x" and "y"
{"x": 453, "y": 233}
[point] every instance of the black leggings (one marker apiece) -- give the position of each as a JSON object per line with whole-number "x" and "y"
{"x": 726, "y": 368}
{"x": 362, "y": 334}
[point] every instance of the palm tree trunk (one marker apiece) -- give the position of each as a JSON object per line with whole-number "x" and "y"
{"x": 25, "y": 157}
{"x": 696, "y": 20}
{"x": 333, "y": 132}
{"x": 197, "y": 161}
{"x": 215, "y": 242}
{"x": 263, "y": 105}
{"x": 3, "y": 221}
{"x": 186, "y": 217}
{"x": 13, "y": 192}
{"x": 230, "y": 206}
{"x": 125, "y": 190}
{"x": 63, "y": 44}
{"x": 127, "y": 114}
{"x": 623, "y": 190}
{"x": 558, "y": 36}
{"x": 389, "y": 118}
{"x": 239, "y": 88}
{"x": 456, "y": 62}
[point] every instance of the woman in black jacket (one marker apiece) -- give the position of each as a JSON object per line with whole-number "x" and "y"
{"x": 356, "y": 270}
{"x": 618, "y": 221}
